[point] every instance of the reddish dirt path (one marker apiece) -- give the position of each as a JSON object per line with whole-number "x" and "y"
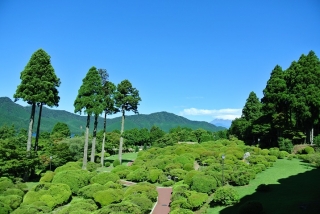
{"x": 164, "y": 195}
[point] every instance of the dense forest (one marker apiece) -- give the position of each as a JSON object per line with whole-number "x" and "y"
{"x": 289, "y": 111}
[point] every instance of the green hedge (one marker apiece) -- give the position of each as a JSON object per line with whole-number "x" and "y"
{"x": 88, "y": 191}
{"x": 47, "y": 177}
{"x": 225, "y": 196}
{"x": 51, "y": 194}
{"x": 75, "y": 179}
{"x": 104, "y": 177}
{"x": 109, "y": 196}
{"x": 143, "y": 189}
{"x": 121, "y": 208}
{"x": 81, "y": 206}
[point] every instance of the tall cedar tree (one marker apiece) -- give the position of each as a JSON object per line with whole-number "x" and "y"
{"x": 38, "y": 85}
{"x": 89, "y": 100}
{"x": 275, "y": 104}
{"x": 108, "y": 90}
{"x": 127, "y": 99}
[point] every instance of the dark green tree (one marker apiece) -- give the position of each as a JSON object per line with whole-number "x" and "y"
{"x": 126, "y": 99}
{"x": 61, "y": 129}
{"x": 199, "y": 133}
{"x": 108, "y": 90}
{"x": 88, "y": 100}
{"x": 156, "y": 133}
{"x": 38, "y": 86}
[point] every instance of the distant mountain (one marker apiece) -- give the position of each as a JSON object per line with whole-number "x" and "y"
{"x": 13, "y": 113}
{"x": 222, "y": 122}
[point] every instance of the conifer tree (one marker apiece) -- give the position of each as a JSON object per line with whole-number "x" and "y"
{"x": 89, "y": 101}
{"x": 39, "y": 85}
{"x": 127, "y": 99}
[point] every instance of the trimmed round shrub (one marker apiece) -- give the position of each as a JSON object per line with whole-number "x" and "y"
{"x": 308, "y": 150}
{"x": 153, "y": 175}
{"x": 81, "y": 206}
{"x": 180, "y": 203}
{"x": 108, "y": 196}
{"x": 181, "y": 211}
{"x": 145, "y": 204}
{"x": 188, "y": 177}
{"x": 36, "y": 207}
{"x": 51, "y": 194}
{"x": 75, "y": 179}
{"x": 13, "y": 191}
{"x": 264, "y": 152}
{"x": 168, "y": 183}
{"x": 121, "y": 208}
{"x": 283, "y": 154}
{"x": 104, "y": 177}
{"x": 68, "y": 167}
{"x": 119, "y": 168}
{"x": 47, "y": 177}
{"x": 88, "y": 191}
{"x": 196, "y": 199}
{"x": 13, "y": 201}
{"x": 92, "y": 166}
{"x": 4, "y": 208}
{"x": 177, "y": 174}
{"x": 112, "y": 185}
{"x": 5, "y": 183}
{"x": 188, "y": 167}
{"x": 271, "y": 158}
{"x": 251, "y": 207}
{"x": 226, "y": 195}
{"x": 138, "y": 175}
{"x": 143, "y": 189}
{"x": 203, "y": 183}
{"x": 116, "y": 162}
{"x": 107, "y": 164}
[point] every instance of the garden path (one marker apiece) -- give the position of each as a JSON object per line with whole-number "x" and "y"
{"x": 164, "y": 199}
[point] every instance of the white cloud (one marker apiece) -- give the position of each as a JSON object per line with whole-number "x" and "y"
{"x": 227, "y": 114}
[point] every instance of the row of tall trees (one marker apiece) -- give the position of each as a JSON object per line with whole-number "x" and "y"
{"x": 97, "y": 95}
{"x": 289, "y": 108}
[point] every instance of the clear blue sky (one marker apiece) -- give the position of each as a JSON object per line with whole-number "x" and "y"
{"x": 198, "y": 59}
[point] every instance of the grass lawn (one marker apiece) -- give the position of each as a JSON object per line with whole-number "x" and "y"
{"x": 294, "y": 189}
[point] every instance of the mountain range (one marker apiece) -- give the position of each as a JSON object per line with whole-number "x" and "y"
{"x": 12, "y": 113}
{"x": 222, "y": 123}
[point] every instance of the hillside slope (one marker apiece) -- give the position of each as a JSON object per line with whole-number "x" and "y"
{"x": 17, "y": 115}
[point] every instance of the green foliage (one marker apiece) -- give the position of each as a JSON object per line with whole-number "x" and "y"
{"x": 4, "y": 208}
{"x": 13, "y": 201}
{"x": 285, "y": 145}
{"x": 116, "y": 162}
{"x": 153, "y": 175}
{"x": 80, "y": 206}
{"x": 68, "y": 167}
{"x": 143, "y": 203}
{"x": 188, "y": 167}
{"x": 251, "y": 207}
{"x": 47, "y": 177}
{"x": 226, "y": 195}
{"x": 316, "y": 140}
{"x": 106, "y": 197}
{"x": 144, "y": 189}
{"x": 138, "y": 175}
{"x": 121, "y": 208}
{"x": 36, "y": 207}
{"x": 88, "y": 191}
{"x": 167, "y": 183}
{"x": 62, "y": 129}
{"x": 13, "y": 191}
{"x": 203, "y": 183}
{"x": 75, "y": 179}
{"x": 52, "y": 195}
{"x": 104, "y": 177}
{"x": 113, "y": 185}
{"x": 196, "y": 199}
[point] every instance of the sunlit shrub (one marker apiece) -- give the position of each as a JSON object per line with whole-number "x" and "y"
{"x": 104, "y": 177}
{"x": 226, "y": 195}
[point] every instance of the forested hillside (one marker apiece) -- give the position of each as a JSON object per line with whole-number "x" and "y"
{"x": 17, "y": 115}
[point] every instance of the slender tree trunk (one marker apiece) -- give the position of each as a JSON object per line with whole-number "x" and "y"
{"x": 31, "y": 127}
{"x": 38, "y": 129}
{"x": 93, "y": 149}
{"x": 85, "y": 149}
{"x": 121, "y": 138}
{"x": 104, "y": 138}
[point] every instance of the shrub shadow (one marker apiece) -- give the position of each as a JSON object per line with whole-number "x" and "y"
{"x": 298, "y": 194}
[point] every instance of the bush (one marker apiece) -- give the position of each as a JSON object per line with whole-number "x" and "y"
{"x": 92, "y": 166}
{"x": 4, "y": 208}
{"x": 36, "y": 207}
{"x": 104, "y": 177}
{"x": 153, "y": 175}
{"x": 75, "y": 179}
{"x": 116, "y": 162}
{"x": 5, "y": 183}
{"x": 181, "y": 211}
{"x": 107, "y": 164}
{"x": 112, "y": 185}
{"x": 188, "y": 167}
{"x": 251, "y": 207}
{"x": 316, "y": 141}
{"x": 196, "y": 199}
{"x": 121, "y": 208}
{"x": 226, "y": 195}
{"x": 13, "y": 191}
{"x": 143, "y": 189}
{"x": 88, "y": 191}
{"x": 168, "y": 183}
{"x": 13, "y": 201}
{"x": 108, "y": 196}
{"x": 203, "y": 183}
{"x": 47, "y": 177}
{"x": 283, "y": 154}
{"x": 285, "y": 145}
{"x": 68, "y": 167}
{"x": 188, "y": 177}
{"x": 52, "y": 195}
{"x": 144, "y": 204}
{"x": 308, "y": 150}
{"x": 81, "y": 206}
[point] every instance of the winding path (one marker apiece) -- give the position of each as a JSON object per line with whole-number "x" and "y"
{"x": 164, "y": 199}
